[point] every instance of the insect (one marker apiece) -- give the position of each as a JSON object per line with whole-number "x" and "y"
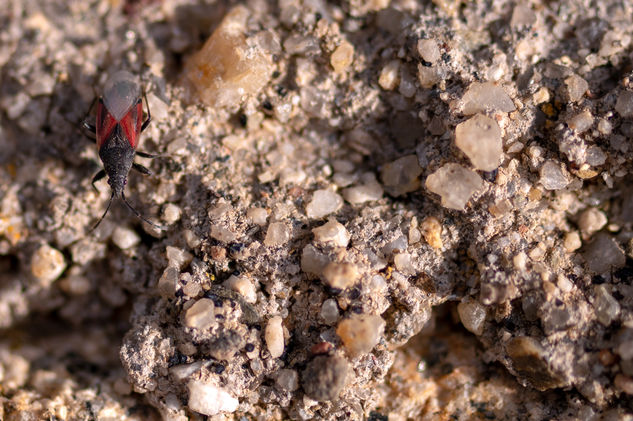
{"x": 117, "y": 129}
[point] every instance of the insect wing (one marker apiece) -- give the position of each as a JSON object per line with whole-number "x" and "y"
{"x": 105, "y": 123}
{"x": 131, "y": 124}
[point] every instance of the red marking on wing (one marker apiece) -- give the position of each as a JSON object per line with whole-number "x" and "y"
{"x": 105, "y": 123}
{"x": 131, "y": 124}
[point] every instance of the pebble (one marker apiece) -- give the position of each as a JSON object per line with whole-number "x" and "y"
{"x": 171, "y": 213}
{"x": 580, "y": 122}
{"x": 473, "y": 316}
{"x": 226, "y": 345}
{"x": 312, "y": 260}
{"x": 177, "y": 257}
{"x": 360, "y": 333}
{"x": 401, "y": 176}
{"x": 274, "y": 337}
{"x": 429, "y": 50}
{"x": 480, "y": 139}
{"x": 332, "y": 232}
{"x": 325, "y": 377}
{"x": 358, "y": 195}
{"x": 404, "y": 263}
{"x": 607, "y": 307}
{"x": 125, "y": 238}
{"x": 553, "y": 176}
{"x": 192, "y": 239}
{"x": 257, "y": 216}
{"x": 323, "y": 203}
{"x": 278, "y": 234}
{"x": 485, "y": 97}
{"x": 329, "y": 311}
{"x": 572, "y": 241}
{"x": 390, "y": 76}
{"x": 47, "y": 264}
{"x": 209, "y": 399}
{"x": 75, "y": 285}
{"x": 455, "y": 184}
{"x": 167, "y": 282}
{"x": 287, "y": 379}
{"x": 624, "y": 383}
{"x": 522, "y": 16}
{"x": 340, "y": 275}
{"x": 603, "y": 254}
{"x": 243, "y": 286}
{"x": 229, "y": 66}
{"x": 342, "y": 57}
{"x": 591, "y": 220}
{"x": 624, "y": 104}
{"x": 201, "y": 315}
{"x": 575, "y": 88}
{"x": 221, "y": 233}
{"x": 431, "y": 229}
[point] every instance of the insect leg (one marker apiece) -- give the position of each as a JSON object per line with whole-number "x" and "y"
{"x": 141, "y": 169}
{"x": 89, "y": 127}
{"x": 138, "y": 214}
{"x": 104, "y": 214}
{"x": 98, "y": 176}
{"x": 146, "y": 155}
{"x": 149, "y": 114}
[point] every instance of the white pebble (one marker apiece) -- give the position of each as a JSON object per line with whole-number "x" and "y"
{"x": 47, "y": 264}
{"x": 257, "y": 216}
{"x": 201, "y": 315}
{"x": 125, "y": 238}
{"x": 472, "y": 315}
{"x": 171, "y": 213}
{"x": 177, "y": 257}
{"x": 209, "y": 399}
{"x": 480, "y": 139}
{"x": 329, "y": 311}
{"x": 390, "y": 76}
{"x": 278, "y": 233}
{"x": 364, "y": 193}
{"x": 274, "y": 337}
{"x": 323, "y": 203}
{"x": 244, "y": 286}
{"x": 486, "y": 97}
{"x": 167, "y": 282}
{"x": 340, "y": 275}
{"x": 455, "y": 184}
{"x": 332, "y": 232}
{"x": 360, "y": 333}
{"x": 591, "y": 220}
{"x": 429, "y": 50}
{"x": 553, "y": 177}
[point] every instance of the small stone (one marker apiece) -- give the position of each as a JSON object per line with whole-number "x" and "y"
{"x": 278, "y": 234}
{"x": 607, "y": 307}
{"x": 580, "y": 122}
{"x": 209, "y": 399}
{"x": 323, "y": 203}
{"x": 358, "y": 195}
{"x": 485, "y": 97}
{"x": 605, "y": 127}
{"x": 455, "y": 184}
{"x": 553, "y": 176}
{"x": 480, "y": 139}
{"x": 390, "y": 76}
{"x": 177, "y": 257}
{"x": 431, "y": 229}
{"x": 226, "y": 345}
{"x": 404, "y": 263}
{"x": 274, "y": 337}
{"x": 522, "y": 16}
{"x": 325, "y": 377}
{"x": 624, "y": 384}
{"x": 75, "y": 285}
{"x": 428, "y": 76}
{"x": 360, "y": 333}
{"x": 201, "y": 315}
{"x": 624, "y": 104}
{"x": 340, "y": 275}
{"x": 257, "y": 216}
{"x": 529, "y": 360}
{"x": 313, "y": 261}
{"x": 221, "y": 233}
{"x": 603, "y": 254}
{"x": 572, "y": 241}
{"x": 229, "y": 66}
{"x": 401, "y": 176}
{"x": 333, "y": 233}
{"x": 591, "y": 221}
{"x": 167, "y": 282}
{"x": 575, "y": 88}
{"x": 342, "y": 57}
{"x": 473, "y": 316}
{"x": 171, "y": 213}
{"x": 429, "y": 50}
{"x": 329, "y": 311}
{"x": 243, "y": 286}
{"x": 520, "y": 261}
{"x": 287, "y": 379}
{"x": 125, "y": 238}
{"x": 192, "y": 239}
{"x": 47, "y": 264}
{"x": 595, "y": 156}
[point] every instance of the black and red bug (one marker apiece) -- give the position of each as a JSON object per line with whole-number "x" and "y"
{"x": 117, "y": 130}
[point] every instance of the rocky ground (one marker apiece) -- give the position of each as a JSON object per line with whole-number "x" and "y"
{"x": 372, "y": 210}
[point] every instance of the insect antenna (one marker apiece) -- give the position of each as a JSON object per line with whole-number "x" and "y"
{"x": 138, "y": 214}
{"x": 104, "y": 214}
